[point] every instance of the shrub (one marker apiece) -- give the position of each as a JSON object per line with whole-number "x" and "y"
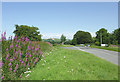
{"x": 18, "y": 55}
{"x": 97, "y": 43}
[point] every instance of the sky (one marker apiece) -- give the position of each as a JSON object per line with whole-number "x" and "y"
{"x": 56, "y": 18}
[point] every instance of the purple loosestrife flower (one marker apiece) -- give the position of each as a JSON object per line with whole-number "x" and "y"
{"x": 11, "y": 45}
{"x": 17, "y": 41}
{"x": 20, "y": 60}
{"x": 34, "y": 63}
{"x": 35, "y": 49}
{"x": 9, "y": 38}
{"x": 10, "y": 69}
{"x": 9, "y": 64}
{"x": 4, "y": 33}
{"x": 3, "y": 38}
{"x": 16, "y": 45}
{"x": 0, "y": 64}
{"x": 27, "y": 39}
{"x": 28, "y": 48}
{"x": 33, "y": 57}
{"x": 7, "y": 57}
{"x": 28, "y": 65}
{"x": 30, "y": 55}
{"x": 39, "y": 57}
{"x": 2, "y": 77}
{"x": 16, "y": 53}
{"x": 7, "y": 49}
{"x": 14, "y": 50}
{"x": 23, "y": 38}
{"x": 24, "y": 64}
{"x": 29, "y": 42}
{"x": 26, "y": 56}
{"x": 14, "y": 70}
{"x": 19, "y": 46}
{"x": 23, "y": 43}
{"x": 11, "y": 60}
{"x": 33, "y": 54}
{"x": 31, "y": 60}
{"x": 16, "y": 66}
{"x": 20, "y": 55}
{"x": 25, "y": 60}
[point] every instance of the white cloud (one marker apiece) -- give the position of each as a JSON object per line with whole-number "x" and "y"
{"x": 57, "y": 35}
{"x": 93, "y": 34}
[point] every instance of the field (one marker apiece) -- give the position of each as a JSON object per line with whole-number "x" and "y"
{"x": 65, "y": 64}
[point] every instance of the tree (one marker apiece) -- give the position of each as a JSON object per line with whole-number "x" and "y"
{"x": 63, "y": 38}
{"x": 27, "y": 31}
{"x": 102, "y": 36}
{"x": 82, "y": 37}
{"x": 74, "y": 41}
{"x": 116, "y": 35}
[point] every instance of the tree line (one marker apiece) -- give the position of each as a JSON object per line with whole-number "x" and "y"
{"x": 102, "y": 37}
{"x": 80, "y": 37}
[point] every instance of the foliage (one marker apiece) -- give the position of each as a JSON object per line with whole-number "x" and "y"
{"x": 27, "y": 31}
{"x": 82, "y": 37}
{"x": 97, "y": 43}
{"x": 68, "y": 42}
{"x": 74, "y": 41}
{"x": 19, "y": 55}
{"x": 108, "y": 38}
{"x": 63, "y": 38}
{"x": 102, "y": 33}
{"x": 54, "y": 42}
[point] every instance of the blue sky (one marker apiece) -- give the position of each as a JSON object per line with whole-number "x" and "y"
{"x": 56, "y": 18}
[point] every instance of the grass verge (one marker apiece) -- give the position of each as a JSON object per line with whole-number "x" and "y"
{"x": 65, "y": 64}
{"x": 106, "y": 48}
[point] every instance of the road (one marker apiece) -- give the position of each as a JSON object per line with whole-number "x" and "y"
{"x": 111, "y": 56}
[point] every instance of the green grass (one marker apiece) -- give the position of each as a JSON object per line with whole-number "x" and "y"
{"x": 64, "y": 45}
{"x": 44, "y": 46}
{"x": 106, "y": 48}
{"x": 65, "y": 64}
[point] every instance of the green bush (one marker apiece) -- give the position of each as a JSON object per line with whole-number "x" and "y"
{"x": 97, "y": 43}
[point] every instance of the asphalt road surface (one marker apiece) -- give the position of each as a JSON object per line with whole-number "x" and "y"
{"x": 111, "y": 56}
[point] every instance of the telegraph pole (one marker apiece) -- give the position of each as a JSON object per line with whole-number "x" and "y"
{"x": 101, "y": 37}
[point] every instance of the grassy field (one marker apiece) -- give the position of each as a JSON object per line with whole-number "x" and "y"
{"x": 64, "y": 64}
{"x": 106, "y": 48}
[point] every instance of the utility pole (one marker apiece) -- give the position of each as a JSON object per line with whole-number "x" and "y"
{"x": 101, "y": 37}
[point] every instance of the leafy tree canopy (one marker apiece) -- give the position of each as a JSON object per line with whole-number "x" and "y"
{"x": 27, "y": 31}
{"x": 82, "y": 37}
{"x": 63, "y": 38}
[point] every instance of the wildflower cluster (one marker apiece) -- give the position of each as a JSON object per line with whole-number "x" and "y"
{"x": 18, "y": 54}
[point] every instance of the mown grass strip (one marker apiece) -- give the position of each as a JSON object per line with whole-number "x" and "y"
{"x": 65, "y": 64}
{"x": 106, "y": 48}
